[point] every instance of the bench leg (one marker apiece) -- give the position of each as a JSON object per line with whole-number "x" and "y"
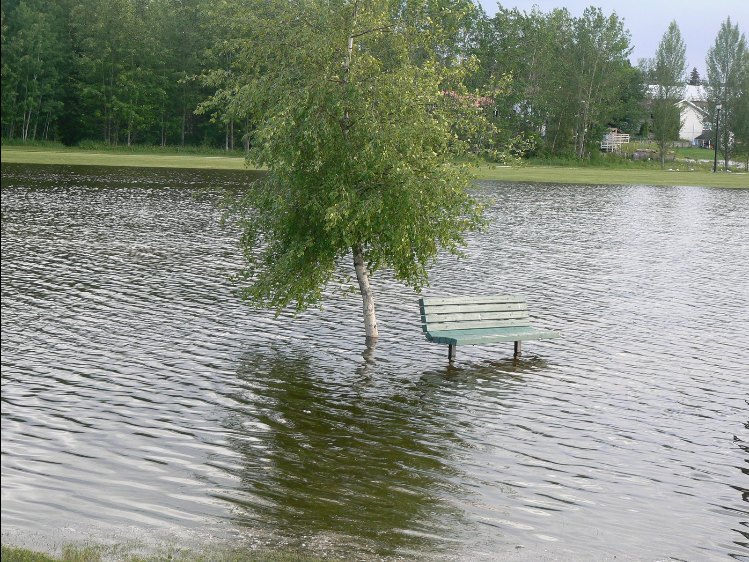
{"x": 451, "y": 351}
{"x": 518, "y": 351}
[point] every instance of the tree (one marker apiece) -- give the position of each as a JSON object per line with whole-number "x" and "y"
{"x": 741, "y": 130}
{"x": 599, "y": 58}
{"x": 669, "y": 71}
{"x": 694, "y": 77}
{"x": 109, "y": 40}
{"x": 34, "y": 62}
{"x": 570, "y": 77}
{"x": 629, "y": 115}
{"x": 186, "y": 36}
{"x": 726, "y": 63}
{"x": 355, "y": 131}
{"x": 522, "y": 66}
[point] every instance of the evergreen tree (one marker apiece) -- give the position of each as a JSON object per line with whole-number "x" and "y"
{"x": 694, "y": 77}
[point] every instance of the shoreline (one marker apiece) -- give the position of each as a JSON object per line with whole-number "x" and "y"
{"x": 535, "y": 174}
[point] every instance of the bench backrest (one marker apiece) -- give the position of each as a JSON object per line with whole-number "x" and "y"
{"x": 468, "y": 313}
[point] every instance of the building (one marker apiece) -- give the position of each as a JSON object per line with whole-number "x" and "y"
{"x": 692, "y": 118}
{"x": 705, "y": 140}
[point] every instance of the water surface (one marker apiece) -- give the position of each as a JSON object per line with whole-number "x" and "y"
{"x": 139, "y": 396}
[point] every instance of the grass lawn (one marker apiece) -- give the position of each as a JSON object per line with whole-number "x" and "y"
{"x": 37, "y": 155}
{"x": 537, "y": 174}
{"x": 592, "y": 175}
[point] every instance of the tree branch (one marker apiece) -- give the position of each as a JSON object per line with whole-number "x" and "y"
{"x": 373, "y": 30}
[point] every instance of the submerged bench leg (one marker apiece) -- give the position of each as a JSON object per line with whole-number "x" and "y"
{"x": 451, "y": 350}
{"x": 518, "y": 351}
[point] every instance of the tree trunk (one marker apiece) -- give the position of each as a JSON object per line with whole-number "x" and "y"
{"x": 370, "y": 321}
{"x": 663, "y": 155}
{"x": 246, "y": 135}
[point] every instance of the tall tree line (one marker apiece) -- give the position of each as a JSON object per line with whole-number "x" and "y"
{"x": 164, "y": 72}
{"x": 126, "y": 71}
{"x": 118, "y": 71}
{"x": 570, "y": 76}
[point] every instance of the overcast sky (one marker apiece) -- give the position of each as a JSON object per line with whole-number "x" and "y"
{"x": 647, "y": 21}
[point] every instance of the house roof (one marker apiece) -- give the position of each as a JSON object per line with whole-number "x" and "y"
{"x": 694, "y": 94}
{"x": 693, "y": 105}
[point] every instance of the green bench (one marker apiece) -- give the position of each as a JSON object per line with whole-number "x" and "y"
{"x": 478, "y": 320}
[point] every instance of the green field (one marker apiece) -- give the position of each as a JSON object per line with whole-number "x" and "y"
{"x": 38, "y": 155}
{"x": 536, "y": 174}
{"x": 601, "y": 176}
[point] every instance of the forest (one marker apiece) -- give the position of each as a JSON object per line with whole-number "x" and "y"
{"x": 168, "y": 73}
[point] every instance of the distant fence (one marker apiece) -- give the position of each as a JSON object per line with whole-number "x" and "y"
{"x": 614, "y": 141}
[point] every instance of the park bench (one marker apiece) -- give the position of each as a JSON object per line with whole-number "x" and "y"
{"x": 478, "y": 320}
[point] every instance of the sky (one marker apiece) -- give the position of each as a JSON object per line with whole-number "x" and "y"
{"x": 699, "y": 20}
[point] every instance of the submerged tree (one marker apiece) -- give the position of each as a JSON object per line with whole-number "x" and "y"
{"x": 669, "y": 73}
{"x": 354, "y": 127}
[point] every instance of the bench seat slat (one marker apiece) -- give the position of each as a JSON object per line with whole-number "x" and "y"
{"x": 491, "y": 307}
{"x": 508, "y": 315}
{"x": 442, "y": 326}
{"x": 491, "y": 335}
{"x": 433, "y": 301}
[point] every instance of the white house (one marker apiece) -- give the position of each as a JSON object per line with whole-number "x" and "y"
{"x": 692, "y": 117}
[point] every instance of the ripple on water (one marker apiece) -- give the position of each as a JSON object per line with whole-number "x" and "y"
{"x": 137, "y": 392}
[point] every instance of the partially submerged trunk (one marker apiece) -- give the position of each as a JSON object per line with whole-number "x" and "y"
{"x": 370, "y": 321}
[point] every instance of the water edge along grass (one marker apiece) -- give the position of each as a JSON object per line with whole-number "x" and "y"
{"x": 72, "y": 553}
{"x": 680, "y": 174}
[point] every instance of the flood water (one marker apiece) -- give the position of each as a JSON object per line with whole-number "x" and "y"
{"x": 141, "y": 398}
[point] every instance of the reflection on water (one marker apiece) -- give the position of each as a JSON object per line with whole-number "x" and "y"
{"x": 138, "y": 393}
{"x": 341, "y": 454}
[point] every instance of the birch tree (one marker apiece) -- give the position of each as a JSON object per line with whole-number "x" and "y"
{"x": 356, "y": 134}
